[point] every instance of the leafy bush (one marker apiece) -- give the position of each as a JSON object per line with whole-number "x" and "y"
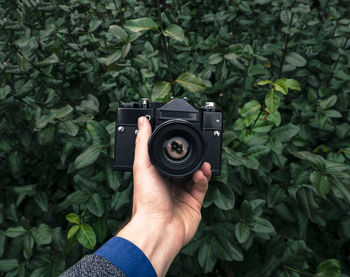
{"x": 281, "y": 206}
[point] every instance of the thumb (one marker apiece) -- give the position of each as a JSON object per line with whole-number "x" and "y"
{"x": 141, "y": 158}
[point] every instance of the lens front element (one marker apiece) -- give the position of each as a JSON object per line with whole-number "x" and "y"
{"x": 177, "y": 148}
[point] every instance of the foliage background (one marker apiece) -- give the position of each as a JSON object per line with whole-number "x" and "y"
{"x": 281, "y": 206}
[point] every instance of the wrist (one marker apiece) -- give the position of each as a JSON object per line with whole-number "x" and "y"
{"x": 155, "y": 239}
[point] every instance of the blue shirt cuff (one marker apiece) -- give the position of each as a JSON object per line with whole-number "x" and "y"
{"x": 127, "y": 257}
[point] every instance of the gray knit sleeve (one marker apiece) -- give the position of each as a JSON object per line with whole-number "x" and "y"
{"x": 94, "y": 266}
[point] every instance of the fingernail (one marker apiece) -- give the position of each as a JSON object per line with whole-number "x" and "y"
{"x": 141, "y": 122}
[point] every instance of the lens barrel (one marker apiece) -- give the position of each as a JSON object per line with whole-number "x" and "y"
{"x": 177, "y": 148}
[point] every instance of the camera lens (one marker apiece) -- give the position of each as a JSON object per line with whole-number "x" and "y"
{"x": 177, "y": 148}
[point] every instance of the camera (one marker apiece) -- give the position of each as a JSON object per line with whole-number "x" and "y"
{"x": 182, "y": 139}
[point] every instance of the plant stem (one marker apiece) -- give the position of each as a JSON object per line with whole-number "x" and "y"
{"x": 256, "y": 119}
{"x": 336, "y": 63}
{"x": 229, "y": 120}
{"x": 166, "y": 49}
{"x": 297, "y": 271}
{"x": 284, "y": 53}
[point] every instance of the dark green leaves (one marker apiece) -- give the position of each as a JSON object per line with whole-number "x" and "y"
{"x": 278, "y": 71}
{"x": 141, "y": 24}
{"x": 54, "y": 115}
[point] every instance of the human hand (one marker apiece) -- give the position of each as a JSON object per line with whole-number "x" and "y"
{"x": 165, "y": 216}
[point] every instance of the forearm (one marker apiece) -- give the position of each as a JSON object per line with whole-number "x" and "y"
{"x": 154, "y": 239}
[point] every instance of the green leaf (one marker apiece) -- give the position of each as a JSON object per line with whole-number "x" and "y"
{"x": 88, "y": 157}
{"x": 175, "y": 32}
{"x": 14, "y": 232}
{"x": 275, "y": 195}
{"x": 78, "y": 197}
{"x": 285, "y": 133}
{"x": 206, "y": 257}
{"x": 293, "y": 84}
{"x": 126, "y": 49}
{"x": 221, "y": 195}
{"x": 86, "y": 236}
{"x": 98, "y": 133}
{"x": 215, "y": 58}
{"x": 118, "y": 32}
{"x": 192, "y": 247}
{"x": 4, "y": 91}
{"x": 190, "y": 82}
{"x": 242, "y": 232}
{"x": 246, "y": 210}
{"x": 141, "y": 24}
{"x": 320, "y": 182}
{"x": 295, "y": 59}
{"x": 328, "y": 102}
{"x": 111, "y": 58}
{"x": 328, "y": 268}
{"x": 249, "y": 109}
{"x": 343, "y": 189}
{"x": 317, "y": 160}
{"x": 28, "y": 244}
{"x": 50, "y": 60}
{"x": 281, "y": 85}
{"x": 265, "y": 82}
{"x": 72, "y": 231}
{"x": 62, "y": 112}
{"x": 113, "y": 178}
{"x": 272, "y": 101}
{"x": 119, "y": 199}
{"x": 275, "y": 117}
{"x": 225, "y": 198}
{"x": 94, "y": 24}
{"x": 42, "y": 234}
{"x": 15, "y": 162}
{"x": 223, "y": 249}
{"x": 262, "y": 225}
{"x": 8, "y": 265}
{"x": 73, "y": 218}
{"x": 96, "y": 205}
{"x": 160, "y": 91}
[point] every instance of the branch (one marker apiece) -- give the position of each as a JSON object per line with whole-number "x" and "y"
{"x": 164, "y": 46}
{"x": 286, "y": 43}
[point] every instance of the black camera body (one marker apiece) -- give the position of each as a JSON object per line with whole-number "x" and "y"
{"x": 183, "y": 138}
